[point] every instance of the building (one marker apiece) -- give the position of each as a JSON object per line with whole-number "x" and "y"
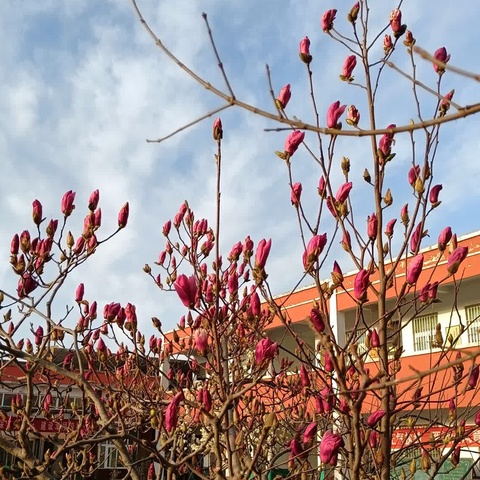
{"x": 452, "y": 320}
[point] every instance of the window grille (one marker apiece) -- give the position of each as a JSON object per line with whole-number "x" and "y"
{"x": 455, "y": 333}
{"x": 359, "y": 338}
{"x": 473, "y": 323}
{"x": 424, "y": 331}
{"x": 108, "y": 456}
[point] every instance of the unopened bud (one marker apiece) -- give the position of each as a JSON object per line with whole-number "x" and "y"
{"x": 366, "y": 176}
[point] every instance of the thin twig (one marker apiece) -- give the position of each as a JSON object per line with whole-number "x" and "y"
{"x": 422, "y": 85}
{"x": 220, "y": 63}
{"x": 190, "y": 124}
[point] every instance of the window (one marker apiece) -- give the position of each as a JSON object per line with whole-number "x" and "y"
{"x": 360, "y": 336}
{"x": 424, "y": 332}
{"x": 108, "y": 456}
{"x": 473, "y": 323}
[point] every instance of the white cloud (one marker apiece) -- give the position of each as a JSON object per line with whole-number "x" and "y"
{"x": 84, "y": 86}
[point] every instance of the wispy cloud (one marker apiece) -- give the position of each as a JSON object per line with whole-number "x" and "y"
{"x": 83, "y": 86}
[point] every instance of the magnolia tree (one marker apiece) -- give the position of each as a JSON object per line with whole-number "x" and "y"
{"x": 218, "y": 397}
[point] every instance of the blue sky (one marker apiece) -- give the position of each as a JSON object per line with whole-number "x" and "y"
{"x": 83, "y": 86}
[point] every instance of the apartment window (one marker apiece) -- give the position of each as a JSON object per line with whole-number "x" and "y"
{"x": 473, "y": 323}
{"x": 424, "y": 331}
{"x": 108, "y": 456}
{"x": 360, "y": 339}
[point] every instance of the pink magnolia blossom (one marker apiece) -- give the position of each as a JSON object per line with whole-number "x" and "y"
{"x": 26, "y": 285}
{"x": 434, "y": 192}
{"x": 217, "y": 129}
{"x": 151, "y": 471}
{"x": 255, "y": 304}
{"x": 404, "y": 214}
{"x": 47, "y": 402}
{"x": 423, "y": 296}
{"x": 348, "y": 67}
{"x": 413, "y": 174}
{"x": 304, "y": 50}
{"x": 38, "y": 335}
{"x": 473, "y": 377}
{"x": 98, "y": 218}
{"x": 375, "y": 417}
{"x": 477, "y": 418}
{"x": 353, "y": 116}
{"x": 317, "y": 320}
{"x": 445, "y": 103}
{"x": 374, "y": 338}
{"x": 360, "y": 285}
{"x": 235, "y": 252}
{"x": 387, "y": 44}
{"x": 79, "y": 293}
{"x": 329, "y": 447}
{"x": 337, "y": 274}
{"x": 335, "y": 111}
{"x": 414, "y": 269}
{"x": 265, "y": 350}
{"x": 15, "y": 245}
{"x": 327, "y": 20}
{"x": 432, "y": 293}
{"x": 409, "y": 40}
{"x": 232, "y": 283}
{"x": 206, "y": 399}
{"x": 327, "y": 361}
{"x": 328, "y": 398}
{"x": 442, "y": 56}
{"x": 295, "y": 449}
{"x": 101, "y": 347}
{"x": 456, "y": 258}
{"x": 416, "y": 238}
{"x": 25, "y": 243}
{"x": 343, "y": 192}
{"x": 295, "y": 194}
{"x": 372, "y": 227}
{"x": 385, "y": 145}
{"x": 52, "y": 227}
{"x": 186, "y": 288}
{"x": 171, "y": 413}
{"x": 67, "y": 203}
{"x": 93, "y": 200}
{"x": 396, "y": 23}
{"x": 284, "y": 96}
{"x": 321, "y": 186}
{"x": 304, "y": 378}
{"x": 374, "y": 439}
{"x": 293, "y": 141}
{"x": 123, "y": 216}
{"x": 37, "y": 212}
{"x": 346, "y": 241}
{"x": 261, "y": 255}
{"x": 314, "y": 248}
{"x": 353, "y": 14}
{"x": 201, "y": 340}
{"x": 389, "y": 228}
{"x": 310, "y": 433}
